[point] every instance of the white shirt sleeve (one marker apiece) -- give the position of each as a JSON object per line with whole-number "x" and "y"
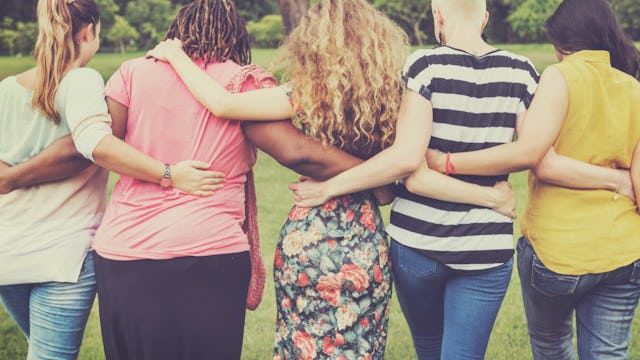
{"x": 82, "y": 105}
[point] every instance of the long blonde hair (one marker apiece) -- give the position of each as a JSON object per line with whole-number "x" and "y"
{"x": 56, "y": 48}
{"x": 345, "y": 60}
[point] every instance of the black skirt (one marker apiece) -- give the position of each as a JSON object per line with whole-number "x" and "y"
{"x": 182, "y": 308}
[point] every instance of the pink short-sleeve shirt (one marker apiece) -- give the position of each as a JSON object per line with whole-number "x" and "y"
{"x": 145, "y": 221}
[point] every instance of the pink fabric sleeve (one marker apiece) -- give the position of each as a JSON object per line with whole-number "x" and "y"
{"x": 117, "y": 87}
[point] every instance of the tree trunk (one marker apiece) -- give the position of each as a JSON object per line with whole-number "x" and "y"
{"x": 417, "y": 32}
{"x": 292, "y": 11}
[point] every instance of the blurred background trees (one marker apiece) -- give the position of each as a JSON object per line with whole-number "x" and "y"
{"x": 130, "y": 25}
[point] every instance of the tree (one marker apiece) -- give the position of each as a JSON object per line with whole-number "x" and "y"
{"x": 414, "y": 16}
{"x": 252, "y": 10}
{"x": 628, "y": 12}
{"x": 122, "y": 33}
{"x": 8, "y": 41}
{"x": 268, "y": 32}
{"x": 150, "y": 18}
{"x": 528, "y": 19}
{"x": 292, "y": 11}
{"x": 27, "y": 35}
{"x": 108, "y": 11}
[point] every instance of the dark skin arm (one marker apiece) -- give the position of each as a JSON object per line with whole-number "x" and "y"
{"x": 292, "y": 149}
{"x": 58, "y": 161}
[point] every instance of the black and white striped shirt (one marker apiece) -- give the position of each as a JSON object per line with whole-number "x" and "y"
{"x": 475, "y": 104}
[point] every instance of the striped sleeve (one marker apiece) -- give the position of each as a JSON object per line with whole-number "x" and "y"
{"x": 417, "y": 75}
{"x": 530, "y": 80}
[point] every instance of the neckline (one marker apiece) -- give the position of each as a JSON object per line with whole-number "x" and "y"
{"x": 474, "y": 55}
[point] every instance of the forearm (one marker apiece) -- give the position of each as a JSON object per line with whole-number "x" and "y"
{"x": 58, "y": 161}
{"x": 257, "y": 105}
{"x": 299, "y": 152}
{"x": 635, "y": 171}
{"x": 567, "y": 172}
{"x": 115, "y": 155}
{"x": 384, "y": 168}
{"x": 430, "y": 183}
{"x": 497, "y": 160}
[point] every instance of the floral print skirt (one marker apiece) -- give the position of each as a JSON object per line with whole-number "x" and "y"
{"x": 333, "y": 282}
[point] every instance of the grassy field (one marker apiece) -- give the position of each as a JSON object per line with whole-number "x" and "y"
{"x": 509, "y": 340}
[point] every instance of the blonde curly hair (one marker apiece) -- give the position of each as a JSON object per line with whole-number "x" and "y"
{"x": 345, "y": 60}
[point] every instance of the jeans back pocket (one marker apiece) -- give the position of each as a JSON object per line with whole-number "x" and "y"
{"x": 551, "y": 283}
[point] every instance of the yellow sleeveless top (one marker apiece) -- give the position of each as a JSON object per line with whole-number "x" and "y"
{"x": 578, "y": 232}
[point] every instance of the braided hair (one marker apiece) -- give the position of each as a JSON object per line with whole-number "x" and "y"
{"x": 211, "y": 30}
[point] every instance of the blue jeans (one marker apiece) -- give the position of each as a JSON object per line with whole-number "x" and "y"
{"x": 52, "y": 315}
{"x": 450, "y": 312}
{"x": 604, "y": 306}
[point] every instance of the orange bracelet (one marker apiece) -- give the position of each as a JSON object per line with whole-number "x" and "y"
{"x": 449, "y": 168}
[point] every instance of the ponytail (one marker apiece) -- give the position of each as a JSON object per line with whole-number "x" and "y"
{"x": 59, "y": 21}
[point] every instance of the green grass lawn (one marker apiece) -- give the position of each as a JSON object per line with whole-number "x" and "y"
{"x": 509, "y": 340}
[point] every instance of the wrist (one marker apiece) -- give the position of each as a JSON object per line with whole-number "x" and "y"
{"x": 330, "y": 189}
{"x": 492, "y": 197}
{"x": 9, "y": 180}
{"x": 177, "y": 55}
{"x": 166, "y": 181}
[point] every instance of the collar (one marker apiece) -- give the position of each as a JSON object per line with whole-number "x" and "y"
{"x": 595, "y": 56}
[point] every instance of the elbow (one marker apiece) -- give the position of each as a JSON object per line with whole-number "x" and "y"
{"x": 546, "y": 170}
{"x": 411, "y": 183}
{"x": 291, "y": 160}
{"x": 219, "y": 108}
{"x": 529, "y": 158}
{"x": 407, "y": 164}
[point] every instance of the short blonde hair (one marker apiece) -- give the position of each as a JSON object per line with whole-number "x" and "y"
{"x": 461, "y": 10}
{"x": 345, "y": 60}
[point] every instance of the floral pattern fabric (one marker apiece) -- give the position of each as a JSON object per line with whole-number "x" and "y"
{"x": 333, "y": 282}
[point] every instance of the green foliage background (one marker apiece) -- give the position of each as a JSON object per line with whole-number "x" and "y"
{"x": 131, "y": 25}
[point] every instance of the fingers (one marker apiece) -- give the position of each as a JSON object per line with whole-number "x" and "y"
{"x": 200, "y": 165}
{"x": 294, "y": 186}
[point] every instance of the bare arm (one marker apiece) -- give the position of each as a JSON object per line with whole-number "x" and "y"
{"x": 299, "y": 152}
{"x": 264, "y": 104}
{"x": 635, "y": 171}
{"x": 568, "y": 172}
{"x": 303, "y": 154}
{"x": 413, "y": 130}
{"x": 430, "y": 183}
{"x": 543, "y": 121}
{"x": 58, "y": 161}
{"x": 115, "y": 155}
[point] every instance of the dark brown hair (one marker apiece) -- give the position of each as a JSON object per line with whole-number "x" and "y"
{"x": 211, "y": 30}
{"x": 592, "y": 25}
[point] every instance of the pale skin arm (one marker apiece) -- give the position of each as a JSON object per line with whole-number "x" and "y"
{"x": 635, "y": 170}
{"x": 266, "y": 104}
{"x": 400, "y": 160}
{"x": 543, "y": 121}
{"x": 396, "y": 162}
{"x": 430, "y": 183}
{"x": 115, "y": 155}
{"x": 258, "y": 105}
{"x": 552, "y": 168}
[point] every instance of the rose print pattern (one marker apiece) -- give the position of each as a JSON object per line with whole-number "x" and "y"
{"x": 333, "y": 282}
